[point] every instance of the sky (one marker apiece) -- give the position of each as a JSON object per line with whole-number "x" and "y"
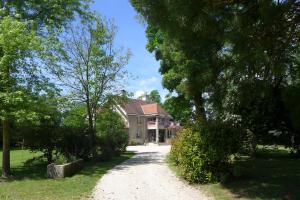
{"x": 131, "y": 35}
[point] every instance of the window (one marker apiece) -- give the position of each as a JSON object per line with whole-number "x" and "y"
{"x": 151, "y": 121}
{"x": 138, "y": 120}
{"x": 138, "y": 134}
{"x": 169, "y": 133}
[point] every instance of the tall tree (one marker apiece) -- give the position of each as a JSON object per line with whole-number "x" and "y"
{"x": 233, "y": 58}
{"x": 91, "y": 67}
{"x": 21, "y": 23}
{"x": 188, "y": 52}
{"x": 202, "y": 43}
{"x": 179, "y": 108}
{"x": 155, "y": 96}
{"x": 17, "y": 45}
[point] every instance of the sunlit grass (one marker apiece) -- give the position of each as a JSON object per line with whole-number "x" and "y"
{"x": 272, "y": 174}
{"x": 30, "y": 182}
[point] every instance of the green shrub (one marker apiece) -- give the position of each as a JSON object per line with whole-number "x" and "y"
{"x": 187, "y": 154}
{"x": 75, "y": 142}
{"x": 203, "y": 152}
{"x": 111, "y": 132}
{"x": 249, "y": 144}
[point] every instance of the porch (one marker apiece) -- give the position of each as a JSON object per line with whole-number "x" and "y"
{"x": 152, "y": 136}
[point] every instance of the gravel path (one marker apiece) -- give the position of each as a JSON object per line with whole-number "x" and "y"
{"x": 144, "y": 177}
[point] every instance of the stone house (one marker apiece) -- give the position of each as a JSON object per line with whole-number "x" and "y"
{"x": 147, "y": 122}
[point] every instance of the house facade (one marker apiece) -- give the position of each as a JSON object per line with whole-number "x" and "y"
{"x": 147, "y": 122}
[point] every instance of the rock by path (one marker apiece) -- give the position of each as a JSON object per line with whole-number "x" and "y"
{"x": 145, "y": 176}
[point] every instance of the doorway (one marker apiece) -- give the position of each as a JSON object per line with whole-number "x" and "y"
{"x": 151, "y": 135}
{"x": 162, "y": 136}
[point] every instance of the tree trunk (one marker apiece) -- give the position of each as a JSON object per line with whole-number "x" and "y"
{"x": 199, "y": 105}
{"x": 6, "y": 149}
{"x": 91, "y": 128}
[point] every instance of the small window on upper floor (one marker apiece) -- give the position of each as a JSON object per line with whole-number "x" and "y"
{"x": 138, "y": 120}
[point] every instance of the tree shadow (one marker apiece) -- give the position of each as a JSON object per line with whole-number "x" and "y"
{"x": 37, "y": 171}
{"x": 143, "y": 158}
{"x": 96, "y": 168}
{"x": 271, "y": 175}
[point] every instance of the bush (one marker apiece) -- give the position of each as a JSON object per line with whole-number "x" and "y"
{"x": 111, "y": 132}
{"x": 42, "y": 138}
{"x": 75, "y": 142}
{"x": 203, "y": 152}
{"x": 67, "y": 136}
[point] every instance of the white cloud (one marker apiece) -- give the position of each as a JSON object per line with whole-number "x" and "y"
{"x": 146, "y": 85}
{"x": 139, "y": 93}
{"x": 146, "y": 82}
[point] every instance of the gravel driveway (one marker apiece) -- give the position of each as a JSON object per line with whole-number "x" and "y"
{"x": 144, "y": 177}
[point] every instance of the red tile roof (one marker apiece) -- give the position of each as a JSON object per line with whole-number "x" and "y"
{"x": 140, "y": 107}
{"x": 149, "y": 108}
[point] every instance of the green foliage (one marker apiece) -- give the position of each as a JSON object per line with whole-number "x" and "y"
{"x": 203, "y": 153}
{"x": 291, "y": 99}
{"x": 74, "y": 139}
{"x": 17, "y": 45}
{"x": 75, "y": 142}
{"x": 179, "y": 108}
{"x": 43, "y": 134}
{"x": 186, "y": 153}
{"x": 50, "y": 14}
{"x": 90, "y": 66}
{"x": 21, "y": 74}
{"x": 154, "y": 96}
{"x": 269, "y": 175}
{"x": 75, "y": 117}
{"x": 113, "y": 138}
{"x": 236, "y": 62}
{"x": 232, "y": 60}
{"x": 55, "y": 132}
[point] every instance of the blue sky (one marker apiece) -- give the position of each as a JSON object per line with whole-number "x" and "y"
{"x": 131, "y": 34}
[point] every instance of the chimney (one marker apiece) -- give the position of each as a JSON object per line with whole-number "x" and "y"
{"x": 123, "y": 92}
{"x": 147, "y": 97}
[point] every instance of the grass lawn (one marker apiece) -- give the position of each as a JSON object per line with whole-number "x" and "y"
{"x": 273, "y": 174}
{"x": 30, "y": 182}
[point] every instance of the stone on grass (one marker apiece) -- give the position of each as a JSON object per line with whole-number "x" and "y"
{"x": 64, "y": 170}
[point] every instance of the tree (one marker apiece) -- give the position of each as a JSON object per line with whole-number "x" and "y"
{"x": 91, "y": 67}
{"x": 187, "y": 39}
{"x": 154, "y": 96}
{"x": 21, "y": 22}
{"x": 232, "y": 60}
{"x": 212, "y": 51}
{"x": 75, "y": 116}
{"x": 43, "y": 134}
{"x": 17, "y": 45}
{"x": 179, "y": 108}
{"x": 111, "y": 132}
{"x": 46, "y": 14}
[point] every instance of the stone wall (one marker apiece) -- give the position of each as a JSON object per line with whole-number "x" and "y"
{"x": 64, "y": 170}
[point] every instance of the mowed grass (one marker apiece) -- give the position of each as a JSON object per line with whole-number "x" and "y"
{"x": 30, "y": 181}
{"x": 272, "y": 174}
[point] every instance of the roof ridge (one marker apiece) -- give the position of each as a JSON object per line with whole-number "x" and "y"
{"x": 142, "y": 108}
